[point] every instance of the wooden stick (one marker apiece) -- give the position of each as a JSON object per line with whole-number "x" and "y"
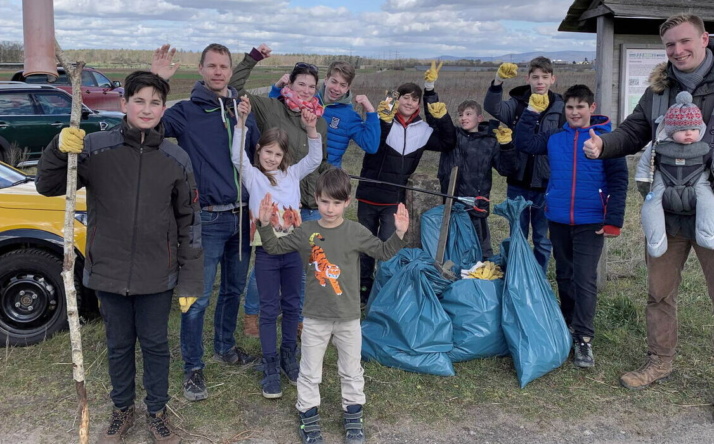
{"x": 75, "y": 335}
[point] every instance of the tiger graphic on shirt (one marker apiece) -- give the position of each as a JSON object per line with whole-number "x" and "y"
{"x": 324, "y": 270}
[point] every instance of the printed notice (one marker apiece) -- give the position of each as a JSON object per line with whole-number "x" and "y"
{"x": 638, "y": 64}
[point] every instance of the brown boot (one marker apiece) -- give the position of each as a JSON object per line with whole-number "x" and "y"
{"x": 657, "y": 368}
{"x": 250, "y": 326}
{"x": 161, "y": 429}
{"x": 120, "y": 424}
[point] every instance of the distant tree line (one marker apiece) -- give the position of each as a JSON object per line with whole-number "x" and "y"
{"x": 11, "y": 52}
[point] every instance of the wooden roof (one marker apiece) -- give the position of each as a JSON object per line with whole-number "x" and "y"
{"x": 633, "y": 17}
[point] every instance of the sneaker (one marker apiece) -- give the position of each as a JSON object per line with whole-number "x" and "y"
{"x": 583, "y": 353}
{"x": 121, "y": 422}
{"x": 271, "y": 378}
{"x": 194, "y": 386}
{"x": 160, "y": 429}
{"x": 354, "y": 425}
{"x": 235, "y": 356}
{"x": 289, "y": 364}
{"x": 656, "y": 369}
{"x": 310, "y": 427}
{"x": 250, "y": 326}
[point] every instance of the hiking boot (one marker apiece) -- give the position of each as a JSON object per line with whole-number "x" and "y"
{"x": 583, "y": 353}
{"x": 299, "y": 331}
{"x": 310, "y": 427}
{"x": 354, "y": 425}
{"x": 194, "y": 386}
{"x": 160, "y": 429}
{"x": 250, "y": 326}
{"x": 271, "y": 378}
{"x": 121, "y": 422}
{"x": 656, "y": 369}
{"x": 235, "y": 356}
{"x": 289, "y": 364}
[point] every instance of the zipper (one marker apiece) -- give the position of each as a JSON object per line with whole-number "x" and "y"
{"x": 573, "y": 179}
{"x": 136, "y": 221}
{"x": 604, "y": 200}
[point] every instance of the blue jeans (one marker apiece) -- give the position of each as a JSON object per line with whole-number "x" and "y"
{"x": 220, "y": 239}
{"x": 144, "y": 317}
{"x": 534, "y": 216}
{"x": 278, "y": 278}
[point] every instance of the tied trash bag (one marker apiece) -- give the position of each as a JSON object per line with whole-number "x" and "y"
{"x": 538, "y": 339}
{"x": 387, "y": 269}
{"x": 462, "y": 245}
{"x": 474, "y": 306}
{"x": 406, "y": 327}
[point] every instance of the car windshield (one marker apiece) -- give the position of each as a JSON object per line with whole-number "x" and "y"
{"x": 10, "y": 177}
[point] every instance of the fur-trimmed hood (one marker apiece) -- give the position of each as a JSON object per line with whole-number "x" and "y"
{"x": 659, "y": 78}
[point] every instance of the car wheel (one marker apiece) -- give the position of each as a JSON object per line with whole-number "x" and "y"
{"x": 32, "y": 297}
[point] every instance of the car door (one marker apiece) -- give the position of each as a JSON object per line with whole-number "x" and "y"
{"x": 99, "y": 93}
{"x": 19, "y": 124}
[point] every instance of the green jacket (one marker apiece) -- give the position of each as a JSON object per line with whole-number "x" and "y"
{"x": 272, "y": 113}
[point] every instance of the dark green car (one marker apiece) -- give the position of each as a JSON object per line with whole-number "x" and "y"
{"x": 31, "y": 115}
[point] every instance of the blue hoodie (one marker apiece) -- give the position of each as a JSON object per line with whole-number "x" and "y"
{"x": 204, "y": 130}
{"x": 581, "y": 190}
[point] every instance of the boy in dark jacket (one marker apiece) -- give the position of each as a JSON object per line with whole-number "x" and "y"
{"x": 404, "y": 137}
{"x": 531, "y": 177}
{"x": 585, "y": 202}
{"x": 142, "y": 206}
{"x": 480, "y": 146}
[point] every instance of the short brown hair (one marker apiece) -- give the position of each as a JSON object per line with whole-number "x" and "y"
{"x": 334, "y": 183}
{"x": 470, "y": 104}
{"x": 542, "y": 63}
{"x": 216, "y": 47}
{"x": 342, "y": 68}
{"x": 678, "y": 19}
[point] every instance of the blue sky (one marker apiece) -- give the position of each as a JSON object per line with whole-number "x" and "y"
{"x": 370, "y": 28}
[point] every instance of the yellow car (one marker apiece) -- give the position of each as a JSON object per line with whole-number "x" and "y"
{"x": 32, "y": 296}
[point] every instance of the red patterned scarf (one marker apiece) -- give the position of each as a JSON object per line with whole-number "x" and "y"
{"x": 293, "y": 102}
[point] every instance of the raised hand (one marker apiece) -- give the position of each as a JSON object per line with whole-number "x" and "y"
{"x": 506, "y": 71}
{"x": 264, "y": 50}
{"x": 364, "y": 101}
{"x": 309, "y": 119}
{"x": 438, "y": 109}
{"x": 593, "y": 146}
{"x": 162, "y": 63}
{"x": 401, "y": 220}
{"x": 266, "y": 208}
{"x": 504, "y": 135}
{"x": 431, "y": 75}
{"x": 387, "y": 109}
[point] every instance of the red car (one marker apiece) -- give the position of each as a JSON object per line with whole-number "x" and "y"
{"x": 98, "y": 92}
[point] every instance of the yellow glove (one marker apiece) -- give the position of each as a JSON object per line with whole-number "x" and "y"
{"x": 386, "y": 111}
{"x": 506, "y": 71}
{"x": 185, "y": 303}
{"x": 71, "y": 140}
{"x": 503, "y": 134}
{"x": 431, "y": 75}
{"x": 538, "y": 102}
{"x": 489, "y": 271}
{"x": 438, "y": 109}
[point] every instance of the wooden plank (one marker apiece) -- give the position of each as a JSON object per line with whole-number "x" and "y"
{"x": 604, "y": 57}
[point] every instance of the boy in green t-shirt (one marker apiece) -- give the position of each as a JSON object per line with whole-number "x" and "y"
{"x": 331, "y": 247}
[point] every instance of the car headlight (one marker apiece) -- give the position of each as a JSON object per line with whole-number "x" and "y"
{"x": 81, "y": 216}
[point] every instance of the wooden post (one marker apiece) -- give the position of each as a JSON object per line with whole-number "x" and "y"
{"x": 75, "y": 334}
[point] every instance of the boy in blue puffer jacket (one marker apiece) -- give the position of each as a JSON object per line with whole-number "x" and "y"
{"x": 585, "y": 201}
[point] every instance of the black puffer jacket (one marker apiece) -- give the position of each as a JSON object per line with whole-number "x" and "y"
{"x": 144, "y": 229}
{"x": 533, "y": 170}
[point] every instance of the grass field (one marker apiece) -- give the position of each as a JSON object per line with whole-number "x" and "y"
{"x": 37, "y": 390}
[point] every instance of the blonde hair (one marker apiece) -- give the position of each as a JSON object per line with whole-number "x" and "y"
{"x": 678, "y": 19}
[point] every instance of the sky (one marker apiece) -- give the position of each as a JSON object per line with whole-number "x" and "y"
{"x": 369, "y": 28}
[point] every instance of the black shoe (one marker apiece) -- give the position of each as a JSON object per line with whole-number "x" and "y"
{"x": 583, "y": 353}
{"x": 235, "y": 356}
{"x": 310, "y": 427}
{"x": 354, "y": 425}
{"x": 194, "y": 386}
{"x": 289, "y": 364}
{"x": 271, "y": 378}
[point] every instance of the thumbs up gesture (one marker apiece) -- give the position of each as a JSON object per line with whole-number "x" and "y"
{"x": 593, "y": 146}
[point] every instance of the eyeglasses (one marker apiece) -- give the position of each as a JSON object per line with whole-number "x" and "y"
{"x": 310, "y": 67}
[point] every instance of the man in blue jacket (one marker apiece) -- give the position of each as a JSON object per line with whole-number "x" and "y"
{"x": 585, "y": 201}
{"x": 203, "y": 127}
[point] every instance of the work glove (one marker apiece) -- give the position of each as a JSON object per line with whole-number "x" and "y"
{"x": 489, "y": 271}
{"x": 437, "y": 110}
{"x": 506, "y": 71}
{"x": 185, "y": 303}
{"x": 71, "y": 140}
{"x": 538, "y": 103}
{"x": 504, "y": 135}
{"x": 431, "y": 75}
{"x": 387, "y": 109}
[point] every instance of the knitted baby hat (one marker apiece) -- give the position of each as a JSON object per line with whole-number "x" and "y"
{"x": 683, "y": 115}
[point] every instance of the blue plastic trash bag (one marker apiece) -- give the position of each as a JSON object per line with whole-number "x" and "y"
{"x": 462, "y": 245}
{"x": 474, "y": 306}
{"x": 538, "y": 339}
{"x": 387, "y": 269}
{"x": 406, "y": 327}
